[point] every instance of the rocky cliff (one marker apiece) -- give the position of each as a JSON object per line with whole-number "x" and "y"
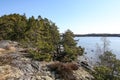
{"x": 15, "y": 64}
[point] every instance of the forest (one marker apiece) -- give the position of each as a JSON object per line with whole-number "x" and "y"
{"x": 45, "y": 43}
{"x": 41, "y": 35}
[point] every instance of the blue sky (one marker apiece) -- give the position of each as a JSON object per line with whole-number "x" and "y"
{"x": 80, "y": 16}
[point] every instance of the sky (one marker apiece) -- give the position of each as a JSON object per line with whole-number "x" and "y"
{"x": 80, "y": 16}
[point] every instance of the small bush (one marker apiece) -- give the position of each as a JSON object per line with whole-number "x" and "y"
{"x": 40, "y": 56}
{"x": 65, "y": 70}
{"x": 5, "y": 60}
{"x": 73, "y": 66}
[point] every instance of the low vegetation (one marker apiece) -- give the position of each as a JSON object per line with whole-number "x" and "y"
{"x": 65, "y": 70}
{"x": 5, "y": 60}
{"x": 108, "y": 67}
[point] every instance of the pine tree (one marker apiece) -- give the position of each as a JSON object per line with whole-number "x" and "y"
{"x": 71, "y": 50}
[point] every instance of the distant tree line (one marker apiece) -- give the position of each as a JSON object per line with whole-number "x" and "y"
{"x": 97, "y": 35}
{"x": 41, "y": 35}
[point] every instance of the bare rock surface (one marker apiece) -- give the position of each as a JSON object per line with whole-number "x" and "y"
{"x": 14, "y": 65}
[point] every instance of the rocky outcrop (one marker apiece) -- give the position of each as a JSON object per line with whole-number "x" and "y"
{"x": 15, "y": 65}
{"x": 7, "y": 72}
{"x": 81, "y": 74}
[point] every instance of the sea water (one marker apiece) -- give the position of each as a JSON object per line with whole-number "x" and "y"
{"x": 91, "y": 44}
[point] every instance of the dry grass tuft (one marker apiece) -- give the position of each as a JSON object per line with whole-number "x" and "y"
{"x": 65, "y": 70}
{"x": 5, "y": 60}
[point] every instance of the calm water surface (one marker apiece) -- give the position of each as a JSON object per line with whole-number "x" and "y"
{"x": 90, "y": 43}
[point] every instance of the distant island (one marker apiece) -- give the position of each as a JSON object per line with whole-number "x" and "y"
{"x": 97, "y": 35}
